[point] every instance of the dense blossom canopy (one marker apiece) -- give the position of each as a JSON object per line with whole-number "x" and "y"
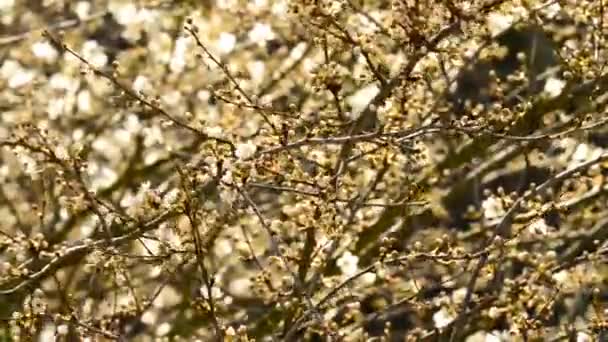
{"x": 328, "y": 170}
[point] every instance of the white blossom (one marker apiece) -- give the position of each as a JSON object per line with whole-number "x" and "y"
{"x": 498, "y": 22}
{"x": 44, "y": 50}
{"x": 348, "y": 263}
{"x": 93, "y": 52}
{"x": 442, "y": 318}
{"x": 142, "y": 84}
{"x": 178, "y": 60}
{"x": 6, "y": 4}
{"x": 261, "y": 33}
{"x": 585, "y": 152}
{"x": 226, "y": 43}
{"x": 163, "y": 329}
{"x": 492, "y": 207}
{"x": 257, "y": 71}
{"x": 15, "y": 74}
{"x": 82, "y": 9}
{"x": 360, "y": 99}
{"x": 214, "y": 132}
{"x": 583, "y": 337}
{"x": 83, "y": 101}
{"x": 539, "y": 227}
{"x": 62, "y": 330}
{"x": 246, "y": 150}
{"x": 554, "y": 86}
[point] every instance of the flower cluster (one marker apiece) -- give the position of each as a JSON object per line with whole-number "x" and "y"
{"x": 303, "y": 170}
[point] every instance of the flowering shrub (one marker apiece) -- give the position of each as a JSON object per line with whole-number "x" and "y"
{"x": 290, "y": 170}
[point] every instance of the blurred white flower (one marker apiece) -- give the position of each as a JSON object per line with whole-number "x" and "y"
{"x": 459, "y": 295}
{"x": 93, "y": 52}
{"x": 226, "y": 4}
{"x": 494, "y": 312}
{"x": 368, "y": 279}
{"x": 246, "y": 150}
{"x": 583, "y": 337}
{"x": 256, "y": 70}
{"x": 552, "y": 9}
{"x": 216, "y": 292}
{"x": 499, "y": 22}
{"x": 171, "y": 197}
{"x": 153, "y": 135}
{"x": 55, "y": 107}
{"x": 62, "y": 82}
{"x": 83, "y": 101}
{"x": 362, "y": 97}
{"x": 260, "y": 3}
{"x": 348, "y": 263}
{"x": 227, "y": 177}
{"x": 44, "y": 50}
{"x": 442, "y": 318}
{"x": 161, "y": 47}
{"x": 585, "y": 152}
{"x": 133, "y": 124}
{"x": 280, "y": 7}
{"x": 149, "y": 317}
{"x": 123, "y": 11}
{"x": 214, "y": 132}
{"x": 492, "y": 207}
{"x": 497, "y": 336}
{"x": 82, "y": 9}
{"x": 107, "y": 147}
{"x": 61, "y": 152}
{"x": 163, "y": 329}
{"x": 142, "y": 84}
{"x": 554, "y": 87}
{"x": 178, "y": 60}
{"x": 562, "y": 277}
{"x": 47, "y": 334}
{"x": 226, "y": 43}
{"x": 228, "y": 195}
{"x": 15, "y": 74}
{"x": 261, "y": 33}
{"x": 539, "y": 227}
{"x": 171, "y": 98}
{"x": 6, "y": 4}
{"x": 62, "y": 330}
{"x": 298, "y": 51}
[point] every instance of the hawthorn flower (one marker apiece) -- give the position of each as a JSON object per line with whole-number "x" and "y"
{"x": 585, "y": 152}
{"x": 82, "y": 9}
{"x": 498, "y": 22}
{"x": 260, "y": 33}
{"x": 6, "y": 4}
{"x": 83, "y": 101}
{"x": 553, "y": 87}
{"x": 62, "y": 330}
{"x": 163, "y": 329}
{"x": 539, "y": 227}
{"x": 362, "y": 97}
{"x": 215, "y": 131}
{"x": 45, "y": 51}
{"x": 246, "y": 150}
{"x": 348, "y": 264}
{"x": 216, "y": 292}
{"x": 442, "y": 318}
{"x": 142, "y": 84}
{"x": 94, "y": 53}
{"x": 178, "y": 60}
{"x": 16, "y": 75}
{"x": 493, "y": 207}
{"x": 226, "y": 43}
